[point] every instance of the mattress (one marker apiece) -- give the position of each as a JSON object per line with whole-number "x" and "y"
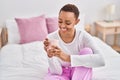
{"x": 29, "y": 62}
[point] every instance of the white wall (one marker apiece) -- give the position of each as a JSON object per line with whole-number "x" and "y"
{"x": 93, "y": 9}
{"x": 13, "y": 8}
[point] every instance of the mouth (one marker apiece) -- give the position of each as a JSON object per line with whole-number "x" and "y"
{"x": 63, "y": 29}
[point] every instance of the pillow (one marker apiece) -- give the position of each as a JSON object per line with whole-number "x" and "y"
{"x": 32, "y": 29}
{"x": 52, "y": 24}
{"x": 13, "y": 32}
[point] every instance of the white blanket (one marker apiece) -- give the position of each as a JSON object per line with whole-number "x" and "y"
{"x": 111, "y": 71}
{"x": 23, "y": 62}
{"x": 29, "y": 62}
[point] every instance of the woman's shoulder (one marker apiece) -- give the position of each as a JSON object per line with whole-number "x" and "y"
{"x": 80, "y": 30}
{"x": 81, "y": 34}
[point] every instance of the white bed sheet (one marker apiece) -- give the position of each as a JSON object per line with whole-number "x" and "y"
{"x": 29, "y": 62}
{"x": 23, "y": 62}
{"x": 111, "y": 71}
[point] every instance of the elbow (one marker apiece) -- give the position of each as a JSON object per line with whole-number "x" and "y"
{"x": 102, "y": 62}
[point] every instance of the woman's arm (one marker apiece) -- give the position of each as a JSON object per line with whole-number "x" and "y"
{"x": 93, "y": 60}
{"x": 55, "y": 66}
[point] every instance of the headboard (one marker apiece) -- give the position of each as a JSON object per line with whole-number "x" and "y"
{"x": 3, "y": 36}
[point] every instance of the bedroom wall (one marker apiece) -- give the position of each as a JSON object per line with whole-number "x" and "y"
{"x": 93, "y": 9}
{"x": 13, "y": 8}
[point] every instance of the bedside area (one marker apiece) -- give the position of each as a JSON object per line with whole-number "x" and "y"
{"x": 0, "y": 37}
{"x": 109, "y": 28}
{"x": 88, "y": 28}
{"x": 3, "y": 36}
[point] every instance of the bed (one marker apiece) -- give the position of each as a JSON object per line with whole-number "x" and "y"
{"x": 28, "y": 61}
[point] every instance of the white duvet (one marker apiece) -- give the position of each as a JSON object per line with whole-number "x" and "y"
{"x": 29, "y": 62}
{"x": 23, "y": 62}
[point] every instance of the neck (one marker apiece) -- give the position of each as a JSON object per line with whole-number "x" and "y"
{"x": 68, "y": 36}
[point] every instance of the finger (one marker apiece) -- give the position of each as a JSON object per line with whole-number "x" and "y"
{"x": 46, "y": 39}
{"x": 55, "y": 47}
{"x": 56, "y": 54}
{"x": 45, "y": 48}
{"x": 50, "y": 56}
{"x": 46, "y": 42}
{"x": 57, "y": 50}
{"x": 51, "y": 50}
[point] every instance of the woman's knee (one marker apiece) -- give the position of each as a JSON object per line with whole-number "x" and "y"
{"x": 86, "y": 50}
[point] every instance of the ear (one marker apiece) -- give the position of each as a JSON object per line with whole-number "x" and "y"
{"x": 77, "y": 21}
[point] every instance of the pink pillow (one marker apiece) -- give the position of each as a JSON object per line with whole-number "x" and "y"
{"x": 32, "y": 29}
{"x": 52, "y": 24}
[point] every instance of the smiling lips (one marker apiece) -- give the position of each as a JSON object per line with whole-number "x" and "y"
{"x": 63, "y": 29}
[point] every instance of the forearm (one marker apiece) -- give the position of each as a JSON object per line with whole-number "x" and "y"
{"x": 95, "y": 60}
{"x": 55, "y": 66}
{"x": 65, "y": 57}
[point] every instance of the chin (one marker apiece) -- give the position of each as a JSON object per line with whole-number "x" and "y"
{"x": 63, "y": 31}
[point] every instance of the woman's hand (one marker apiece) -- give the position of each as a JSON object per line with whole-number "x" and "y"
{"x": 49, "y": 48}
{"x": 46, "y": 47}
{"x": 53, "y": 50}
{"x": 46, "y": 44}
{"x": 59, "y": 53}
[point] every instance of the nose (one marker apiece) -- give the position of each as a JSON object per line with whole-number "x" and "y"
{"x": 62, "y": 25}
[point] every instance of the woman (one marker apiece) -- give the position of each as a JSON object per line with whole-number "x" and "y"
{"x": 76, "y": 54}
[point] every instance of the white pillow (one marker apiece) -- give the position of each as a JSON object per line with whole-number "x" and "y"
{"x": 13, "y": 32}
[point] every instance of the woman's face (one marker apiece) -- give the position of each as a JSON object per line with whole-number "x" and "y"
{"x": 67, "y": 21}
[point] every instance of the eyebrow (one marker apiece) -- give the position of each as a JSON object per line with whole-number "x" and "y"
{"x": 59, "y": 18}
{"x": 65, "y": 20}
{"x": 68, "y": 21}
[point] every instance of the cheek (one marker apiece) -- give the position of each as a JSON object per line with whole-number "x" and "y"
{"x": 59, "y": 25}
{"x": 71, "y": 25}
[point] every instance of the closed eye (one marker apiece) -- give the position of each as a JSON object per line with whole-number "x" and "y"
{"x": 68, "y": 23}
{"x": 59, "y": 21}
